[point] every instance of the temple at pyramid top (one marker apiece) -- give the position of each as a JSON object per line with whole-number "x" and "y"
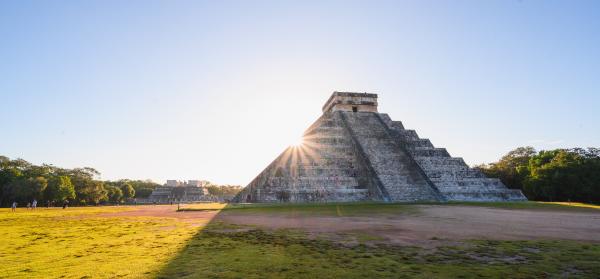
{"x": 351, "y": 101}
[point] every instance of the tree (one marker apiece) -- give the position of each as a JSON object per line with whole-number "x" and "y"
{"x": 142, "y": 188}
{"x": 551, "y": 175}
{"x": 114, "y": 194}
{"x": 88, "y": 190}
{"x": 26, "y": 189}
{"x": 8, "y": 174}
{"x": 512, "y": 167}
{"x": 563, "y": 175}
{"x": 60, "y": 188}
{"x": 128, "y": 191}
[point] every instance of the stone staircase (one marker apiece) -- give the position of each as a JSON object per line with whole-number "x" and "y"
{"x": 401, "y": 178}
{"x": 450, "y": 175}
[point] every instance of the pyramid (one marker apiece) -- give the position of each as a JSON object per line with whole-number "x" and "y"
{"x": 354, "y": 153}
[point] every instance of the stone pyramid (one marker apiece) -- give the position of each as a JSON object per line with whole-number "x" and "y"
{"x": 354, "y": 153}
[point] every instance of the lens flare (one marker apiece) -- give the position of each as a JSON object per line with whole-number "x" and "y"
{"x": 299, "y": 142}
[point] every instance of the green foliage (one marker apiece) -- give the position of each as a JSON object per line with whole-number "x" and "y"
{"x": 114, "y": 194}
{"x": 90, "y": 192}
{"x": 512, "y": 168}
{"x": 60, "y": 188}
{"x": 553, "y": 175}
{"x": 22, "y": 181}
{"x": 25, "y": 189}
{"x": 128, "y": 191}
{"x": 142, "y": 188}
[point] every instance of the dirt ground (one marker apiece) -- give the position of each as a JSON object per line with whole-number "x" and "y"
{"x": 432, "y": 222}
{"x": 197, "y": 218}
{"x": 448, "y": 223}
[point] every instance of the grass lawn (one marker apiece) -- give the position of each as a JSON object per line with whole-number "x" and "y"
{"x": 219, "y": 252}
{"x": 79, "y": 243}
{"x": 90, "y": 243}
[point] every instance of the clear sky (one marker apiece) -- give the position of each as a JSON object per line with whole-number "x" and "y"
{"x": 217, "y": 89}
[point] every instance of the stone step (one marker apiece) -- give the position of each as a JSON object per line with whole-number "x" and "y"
{"x": 427, "y": 162}
{"x": 312, "y": 179}
{"x": 397, "y": 125}
{"x": 420, "y": 143}
{"x": 482, "y": 183}
{"x": 301, "y": 189}
{"x": 506, "y": 195}
{"x": 329, "y": 140}
{"x": 409, "y": 134}
{"x": 321, "y": 172}
{"x": 430, "y": 152}
{"x": 451, "y": 174}
{"x": 457, "y": 189}
{"x": 314, "y": 196}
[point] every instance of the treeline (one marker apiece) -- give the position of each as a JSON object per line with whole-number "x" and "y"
{"x": 552, "y": 175}
{"x": 23, "y": 182}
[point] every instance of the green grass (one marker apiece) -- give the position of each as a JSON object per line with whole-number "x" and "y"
{"x": 86, "y": 243}
{"x": 78, "y": 243}
{"x": 253, "y": 253}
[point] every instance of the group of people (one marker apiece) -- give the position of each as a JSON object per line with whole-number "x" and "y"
{"x": 33, "y": 205}
{"x": 30, "y": 205}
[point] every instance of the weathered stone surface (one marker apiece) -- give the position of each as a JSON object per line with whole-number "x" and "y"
{"x": 354, "y": 153}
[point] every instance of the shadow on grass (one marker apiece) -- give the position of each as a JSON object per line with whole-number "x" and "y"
{"x": 224, "y": 250}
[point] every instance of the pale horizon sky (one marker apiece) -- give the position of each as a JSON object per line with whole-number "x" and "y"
{"x": 216, "y": 90}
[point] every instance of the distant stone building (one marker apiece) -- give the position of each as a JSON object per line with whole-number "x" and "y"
{"x": 197, "y": 183}
{"x": 173, "y": 183}
{"x": 354, "y": 153}
{"x": 174, "y": 191}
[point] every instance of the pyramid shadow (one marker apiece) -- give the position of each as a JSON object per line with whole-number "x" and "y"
{"x": 230, "y": 248}
{"x": 187, "y": 260}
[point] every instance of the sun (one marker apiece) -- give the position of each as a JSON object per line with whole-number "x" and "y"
{"x": 299, "y": 142}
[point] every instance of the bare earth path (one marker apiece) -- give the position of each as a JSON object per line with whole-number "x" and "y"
{"x": 441, "y": 222}
{"x": 197, "y": 218}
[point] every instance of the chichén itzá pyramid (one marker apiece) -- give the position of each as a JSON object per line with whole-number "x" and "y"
{"x": 354, "y": 153}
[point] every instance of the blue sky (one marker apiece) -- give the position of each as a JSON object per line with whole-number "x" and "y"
{"x": 217, "y": 89}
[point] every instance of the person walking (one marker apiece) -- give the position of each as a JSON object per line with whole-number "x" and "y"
{"x": 34, "y": 204}
{"x": 14, "y": 206}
